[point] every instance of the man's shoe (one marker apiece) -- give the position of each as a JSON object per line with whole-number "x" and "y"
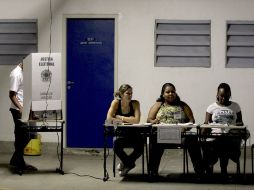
{"x": 28, "y": 167}
{"x": 16, "y": 169}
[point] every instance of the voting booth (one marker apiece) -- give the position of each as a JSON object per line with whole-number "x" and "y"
{"x": 42, "y": 76}
{"x": 42, "y": 92}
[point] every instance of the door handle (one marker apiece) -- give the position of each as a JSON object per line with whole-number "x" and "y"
{"x": 70, "y": 82}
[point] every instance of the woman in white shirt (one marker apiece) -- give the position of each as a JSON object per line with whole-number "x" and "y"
{"x": 227, "y": 112}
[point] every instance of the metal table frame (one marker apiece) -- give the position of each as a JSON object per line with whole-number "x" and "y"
{"x": 207, "y": 126}
{"x": 173, "y": 145}
{"x": 112, "y": 130}
{"x": 49, "y": 126}
{"x": 117, "y": 130}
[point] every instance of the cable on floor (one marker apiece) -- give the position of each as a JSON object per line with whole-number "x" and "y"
{"x": 85, "y": 175}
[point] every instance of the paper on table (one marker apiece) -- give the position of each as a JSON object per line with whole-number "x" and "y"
{"x": 141, "y": 124}
{"x": 175, "y": 125}
{"x": 186, "y": 124}
{"x": 169, "y": 135}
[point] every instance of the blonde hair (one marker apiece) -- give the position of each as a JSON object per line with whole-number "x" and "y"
{"x": 123, "y": 88}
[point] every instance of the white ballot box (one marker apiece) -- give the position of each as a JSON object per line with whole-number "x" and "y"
{"x": 42, "y": 83}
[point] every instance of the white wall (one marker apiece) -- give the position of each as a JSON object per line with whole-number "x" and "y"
{"x": 136, "y": 18}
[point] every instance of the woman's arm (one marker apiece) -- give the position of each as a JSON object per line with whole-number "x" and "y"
{"x": 111, "y": 115}
{"x": 153, "y": 112}
{"x": 239, "y": 120}
{"x": 188, "y": 112}
{"x": 208, "y": 119}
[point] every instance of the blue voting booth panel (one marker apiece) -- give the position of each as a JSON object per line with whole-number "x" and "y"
{"x": 90, "y": 79}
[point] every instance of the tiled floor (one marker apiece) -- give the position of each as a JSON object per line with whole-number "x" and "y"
{"x": 84, "y": 170}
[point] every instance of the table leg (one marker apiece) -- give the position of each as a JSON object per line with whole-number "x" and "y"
{"x": 105, "y": 178}
{"x": 244, "y": 161}
{"x": 60, "y": 169}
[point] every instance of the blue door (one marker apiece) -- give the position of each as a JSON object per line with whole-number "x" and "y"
{"x": 90, "y": 79}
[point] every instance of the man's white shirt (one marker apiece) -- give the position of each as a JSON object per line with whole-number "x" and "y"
{"x": 16, "y": 84}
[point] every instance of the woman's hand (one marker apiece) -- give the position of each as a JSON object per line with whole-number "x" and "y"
{"x": 156, "y": 121}
{"x": 119, "y": 117}
{"x": 184, "y": 129}
{"x": 239, "y": 124}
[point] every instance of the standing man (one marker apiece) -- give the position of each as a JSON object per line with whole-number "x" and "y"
{"x": 22, "y": 136}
